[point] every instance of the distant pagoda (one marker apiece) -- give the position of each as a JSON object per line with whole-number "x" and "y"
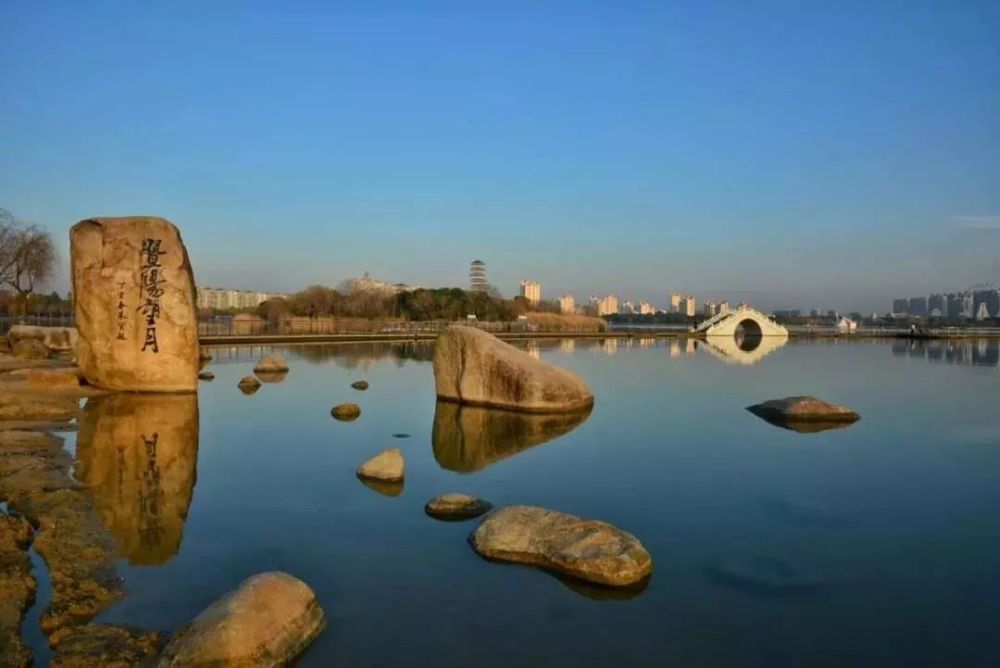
{"x": 477, "y": 276}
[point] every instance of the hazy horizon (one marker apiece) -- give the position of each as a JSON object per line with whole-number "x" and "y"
{"x": 795, "y": 157}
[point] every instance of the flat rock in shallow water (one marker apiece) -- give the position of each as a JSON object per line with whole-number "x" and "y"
{"x": 587, "y": 549}
{"x": 206, "y": 375}
{"x": 346, "y": 412}
{"x": 800, "y": 413}
{"x": 456, "y": 507}
{"x": 267, "y": 621}
{"x": 17, "y": 588}
{"x": 93, "y": 645}
{"x": 360, "y": 385}
{"x": 53, "y": 378}
{"x": 476, "y": 368}
{"x": 387, "y": 466}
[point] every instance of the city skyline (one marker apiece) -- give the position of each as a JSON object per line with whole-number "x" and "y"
{"x": 836, "y": 158}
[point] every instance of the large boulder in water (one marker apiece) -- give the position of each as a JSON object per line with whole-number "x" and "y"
{"x": 586, "y": 549}
{"x": 476, "y": 368}
{"x": 135, "y": 305}
{"x": 267, "y": 621}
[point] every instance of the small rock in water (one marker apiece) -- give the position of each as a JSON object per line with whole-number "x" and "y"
{"x": 456, "y": 507}
{"x": 271, "y": 364}
{"x": 248, "y": 385}
{"x": 804, "y": 414}
{"x": 267, "y": 621}
{"x": 346, "y": 412}
{"x": 400, "y": 435}
{"x": 360, "y": 385}
{"x": 206, "y": 375}
{"x": 387, "y": 466}
{"x": 587, "y": 549}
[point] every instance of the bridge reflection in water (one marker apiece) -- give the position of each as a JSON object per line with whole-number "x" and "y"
{"x": 137, "y": 454}
{"x": 745, "y": 350}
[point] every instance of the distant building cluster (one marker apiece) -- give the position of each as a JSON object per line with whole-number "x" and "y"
{"x": 684, "y": 304}
{"x": 567, "y": 304}
{"x": 605, "y": 305}
{"x": 221, "y": 298}
{"x": 978, "y": 303}
{"x": 712, "y": 308}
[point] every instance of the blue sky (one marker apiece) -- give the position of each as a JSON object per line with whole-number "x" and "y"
{"x": 795, "y": 154}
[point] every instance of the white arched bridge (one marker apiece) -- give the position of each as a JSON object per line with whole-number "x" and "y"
{"x": 741, "y": 321}
{"x": 743, "y": 334}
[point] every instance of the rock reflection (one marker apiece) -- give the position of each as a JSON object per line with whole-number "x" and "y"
{"x": 469, "y": 438}
{"x": 597, "y": 592}
{"x": 137, "y": 453}
{"x": 383, "y": 487}
{"x": 271, "y": 376}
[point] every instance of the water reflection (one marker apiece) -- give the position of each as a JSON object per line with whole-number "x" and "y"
{"x": 964, "y": 352}
{"x": 137, "y": 453}
{"x": 745, "y": 350}
{"x": 468, "y": 438}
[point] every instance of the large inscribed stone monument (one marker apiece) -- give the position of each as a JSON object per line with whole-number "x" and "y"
{"x": 135, "y": 305}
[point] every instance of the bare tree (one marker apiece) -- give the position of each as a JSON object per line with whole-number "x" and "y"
{"x": 27, "y": 257}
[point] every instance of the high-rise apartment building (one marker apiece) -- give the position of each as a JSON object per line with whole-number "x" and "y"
{"x": 688, "y": 306}
{"x": 531, "y": 290}
{"x": 626, "y": 307}
{"x": 645, "y": 308}
{"x": 567, "y": 304}
{"x": 937, "y": 306}
{"x": 918, "y": 306}
{"x": 605, "y": 305}
{"x": 675, "y": 302}
{"x": 900, "y": 306}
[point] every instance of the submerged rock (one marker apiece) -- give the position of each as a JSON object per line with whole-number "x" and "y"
{"x": 271, "y": 364}
{"x": 765, "y": 575}
{"x": 476, "y": 368}
{"x": 248, "y": 385}
{"x": 587, "y": 549}
{"x": 267, "y": 621}
{"x": 469, "y": 438}
{"x": 387, "y": 466}
{"x": 456, "y": 507}
{"x": 206, "y": 375}
{"x": 360, "y": 385}
{"x": 346, "y": 412}
{"x": 804, "y": 414}
{"x": 135, "y": 305}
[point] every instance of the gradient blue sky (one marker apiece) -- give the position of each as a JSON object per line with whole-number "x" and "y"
{"x": 793, "y": 153}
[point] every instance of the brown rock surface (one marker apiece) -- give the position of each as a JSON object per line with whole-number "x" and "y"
{"x": 476, "y": 368}
{"x": 587, "y": 549}
{"x": 68, "y": 378}
{"x": 105, "y": 646}
{"x": 21, "y": 404}
{"x": 135, "y": 305}
{"x": 267, "y": 621}
{"x": 248, "y": 385}
{"x": 17, "y": 589}
{"x": 35, "y": 481}
{"x": 137, "y": 454}
{"x": 470, "y": 438}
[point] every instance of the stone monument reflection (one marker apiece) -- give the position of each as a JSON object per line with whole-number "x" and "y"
{"x": 469, "y": 438}
{"x": 137, "y": 453}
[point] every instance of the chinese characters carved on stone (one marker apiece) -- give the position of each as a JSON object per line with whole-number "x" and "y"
{"x": 150, "y": 289}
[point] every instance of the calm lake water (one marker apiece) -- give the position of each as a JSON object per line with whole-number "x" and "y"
{"x": 872, "y": 545}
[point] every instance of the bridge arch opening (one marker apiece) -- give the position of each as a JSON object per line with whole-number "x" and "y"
{"x": 748, "y": 335}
